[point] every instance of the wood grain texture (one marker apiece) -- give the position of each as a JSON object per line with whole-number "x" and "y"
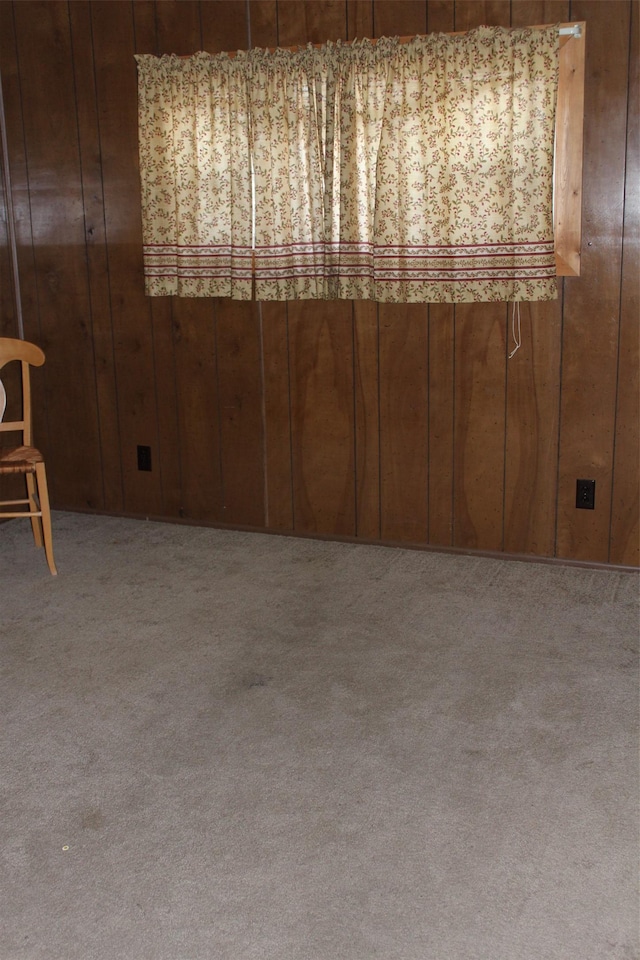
{"x": 322, "y": 416}
{"x": 13, "y": 487}
{"x": 300, "y": 22}
{"x": 367, "y": 419}
{"x": 441, "y": 426}
{"x": 480, "y": 376}
{"x": 224, "y": 26}
{"x": 567, "y": 211}
{"x": 167, "y": 459}
{"x": 590, "y": 349}
{"x": 116, "y": 91}
{"x": 238, "y": 342}
{"x": 274, "y": 333}
{"x": 533, "y": 408}
{"x": 366, "y": 361}
{"x": 8, "y": 313}
{"x": 399, "y": 18}
{"x": 404, "y": 440}
{"x": 296, "y": 409}
{"x": 57, "y": 223}
{"x": 96, "y": 255}
{"x": 240, "y": 392}
{"x": 263, "y": 23}
{"x": 278, "y": 475}
{"x": 194, "y": 331}
{"x": 533, "y": 391}
{"x": 13, "y": 110}
{"x": 403, "y": 360}
{"x": 359, "y": 19}
{"x": 320, "y": 352}
{"x": 625, "y": 532}
{"x": 440, "y": 18}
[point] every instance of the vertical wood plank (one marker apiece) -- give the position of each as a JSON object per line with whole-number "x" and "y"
{"x": 194, "y": 331}
{"x": 592, "y": 302}
{"x": 533, "y": 390}
{"x": 263, "y": 23}
{"x": 240, "y": 392}
{"x": 56, "y": 210}
{"x": 14, "y": 118}
{"x": 441, "y": 423}
{"x": 480, "y": 375}
{"x": 238, "y": 341}
{"x": 367, "y": 419}
{"x": 479, "y": 426}
{"x": 533, "y": 397}
{"x": 475, "y": 13}
{"x": 8, "y": 306}
{"x": 225, "y": 25}
{"x": 167, "y": 459}
{"x": 116, "y": 89}
{"x": 366, "y": 361}
{"x": 399, "y": 18}
{"x": 625, "y": 532}
{"x": 300, "y": 22}
{"x": 13, "y": 487}
{"x": 320, "y": 351}
{"x": 8, "y": 319}
{"x": 277, "y": 417}
{"x": 322, "y": 421}
{"x": 440, "y": 19}
{"x": 403, "y": 358}
{"x": 403, "y": 422}
{"x": 96, "y": 253}
{"x": 278, "y": 478}
{"x": 359, "y": 19}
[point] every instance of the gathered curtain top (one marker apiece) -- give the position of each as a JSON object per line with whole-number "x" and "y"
{"x": 474, "y": 46}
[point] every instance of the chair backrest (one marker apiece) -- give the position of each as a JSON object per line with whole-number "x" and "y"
{"x": 28, "y": 354}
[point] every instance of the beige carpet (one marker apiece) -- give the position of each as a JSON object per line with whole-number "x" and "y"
{"x": 230, "y": 746}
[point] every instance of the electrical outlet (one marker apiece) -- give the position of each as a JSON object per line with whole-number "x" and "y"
{"x": 144, "y": 458}
{"x": 585, "y": 494}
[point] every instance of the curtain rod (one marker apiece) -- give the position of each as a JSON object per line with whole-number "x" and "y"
{"x": 565, "y": 30}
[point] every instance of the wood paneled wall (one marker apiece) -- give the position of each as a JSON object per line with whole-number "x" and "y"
{"x": 394, "y": 423}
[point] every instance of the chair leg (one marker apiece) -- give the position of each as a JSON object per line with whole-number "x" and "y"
{"x": 36, "y": 522}
{"x": 43, "y": 496}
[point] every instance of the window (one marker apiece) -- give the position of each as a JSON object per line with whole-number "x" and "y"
{"x": 417, "y": 171}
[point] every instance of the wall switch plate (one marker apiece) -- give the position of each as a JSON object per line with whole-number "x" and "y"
{"x": 585, "y": 494}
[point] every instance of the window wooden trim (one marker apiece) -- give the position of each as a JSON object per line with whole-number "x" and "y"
{"x": 567, "y": 211}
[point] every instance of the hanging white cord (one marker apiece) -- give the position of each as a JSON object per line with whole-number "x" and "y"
{"x": 515, "y": 328}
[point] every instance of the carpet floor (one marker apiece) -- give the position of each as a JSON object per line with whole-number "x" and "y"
{"x": 219, "y": 745}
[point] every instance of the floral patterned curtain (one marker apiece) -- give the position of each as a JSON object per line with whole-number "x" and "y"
{"x": 402, "y": 172}
{"x": 287, "y": 96}
{"x": 193, "y": 123}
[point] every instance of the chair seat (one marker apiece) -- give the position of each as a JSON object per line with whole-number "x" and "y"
{"x": 19, "y": 460}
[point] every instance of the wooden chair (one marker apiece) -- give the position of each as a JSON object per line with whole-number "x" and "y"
{"x": 25, "y": 459}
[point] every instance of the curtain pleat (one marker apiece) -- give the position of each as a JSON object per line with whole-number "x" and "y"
{"x": 390, "y": 171}
{"x": 287, "y": 151}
